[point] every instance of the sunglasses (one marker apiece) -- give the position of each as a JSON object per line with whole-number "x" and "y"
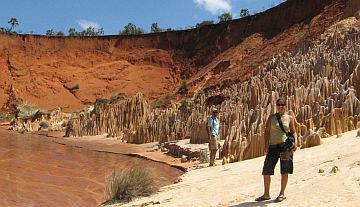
{"x": 280, "y": 104}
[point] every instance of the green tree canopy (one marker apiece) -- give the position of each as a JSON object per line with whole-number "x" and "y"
{"x": 50, "y": 32}
{"x": 60, "y": 33}
{"x": 3, "y": 30}
{"x": 225, "y": 17}
{"x": 90, "y": 31}
{"x": 131, "y": 29}
{"x": 155, "y": 28}
{"x": 244, "y": 13}
{"x": 205, "y": 22}
{"x": 72, "y": 32}
{"x": 14, "y": 22}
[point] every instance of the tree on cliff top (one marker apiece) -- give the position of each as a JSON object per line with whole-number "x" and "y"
{"x": 90, "y": 31}
{"x": 14, "y": 22}
{"x": 72, "y": 32}
{"x": 3, "y": 30}
{"x": 50, "y": 32}
{"x": 155, "y": 28}
{"x": 131, "y": 29}
{"x": 244, "y": 13}
{"x": 225, "y": 17}
{"x": 205, "y": 22}
{"x": 60, "y": 33}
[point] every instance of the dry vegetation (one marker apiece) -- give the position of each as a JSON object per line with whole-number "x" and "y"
{"x": 130, "y": 183}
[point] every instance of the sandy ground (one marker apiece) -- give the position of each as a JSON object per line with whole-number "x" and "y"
{"x": 238, "y": 184}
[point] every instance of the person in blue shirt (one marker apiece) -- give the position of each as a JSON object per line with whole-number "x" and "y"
{"x": 213, "y": 125}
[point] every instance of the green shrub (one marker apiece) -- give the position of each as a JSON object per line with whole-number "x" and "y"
{"x": 164, "y": 101}
{"x": 184, "y": 104}
{"x": 26, "y": 111}
{"x": 130, "y": 183}
{"x": 44, "y": 125}
{"x": 226, "y": 16}
{"x": 183, "y": 87}
{"x": 132, "y": 29}
{"x": 10, "y": 117}
{"x": 203, "y": 23}
{"x": 203, "y": 157}
{"x": 244, "y": 13}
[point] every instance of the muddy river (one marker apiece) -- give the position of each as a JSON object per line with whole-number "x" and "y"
{"x": 37, "y": 172}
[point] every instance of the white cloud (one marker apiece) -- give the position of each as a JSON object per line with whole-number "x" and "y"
{"x": 214, "y": 6}
{"x": 84, "y": 24}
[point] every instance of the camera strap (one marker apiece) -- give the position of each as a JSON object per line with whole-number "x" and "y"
{"x": 280, "y": 123}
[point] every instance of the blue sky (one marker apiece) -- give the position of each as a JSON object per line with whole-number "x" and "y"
{"x": 37, "y": 16}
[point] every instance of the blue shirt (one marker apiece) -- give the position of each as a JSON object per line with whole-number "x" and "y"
{"x": 214, "y": 124}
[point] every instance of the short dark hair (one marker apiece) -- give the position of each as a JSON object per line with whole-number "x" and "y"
{"x": 281, "y": 101}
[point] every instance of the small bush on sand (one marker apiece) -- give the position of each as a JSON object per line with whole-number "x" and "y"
{"x": 130, "y": 183}
{"x": 44, "y": 125}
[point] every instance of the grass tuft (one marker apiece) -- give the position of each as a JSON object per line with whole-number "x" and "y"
{"x": 130, "y": 183}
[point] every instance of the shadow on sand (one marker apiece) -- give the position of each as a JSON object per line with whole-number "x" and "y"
{"x": 253, "y": 203}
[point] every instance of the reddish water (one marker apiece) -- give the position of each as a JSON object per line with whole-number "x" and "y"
{"x": 37, "y": 172}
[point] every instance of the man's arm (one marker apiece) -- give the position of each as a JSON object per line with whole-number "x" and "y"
{"x": 208, "y": 129}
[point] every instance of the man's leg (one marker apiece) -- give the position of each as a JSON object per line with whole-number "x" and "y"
{"x": 212, "y": 157}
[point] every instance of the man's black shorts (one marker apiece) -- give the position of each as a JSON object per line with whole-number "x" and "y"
{"x": 272, "y": 157}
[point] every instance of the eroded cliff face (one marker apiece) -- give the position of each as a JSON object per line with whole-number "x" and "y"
{"x": 320, "y": 82}
{"x": 72, "y": 72}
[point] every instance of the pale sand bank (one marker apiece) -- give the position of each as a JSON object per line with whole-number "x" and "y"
{"x": 238, "y": 184}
